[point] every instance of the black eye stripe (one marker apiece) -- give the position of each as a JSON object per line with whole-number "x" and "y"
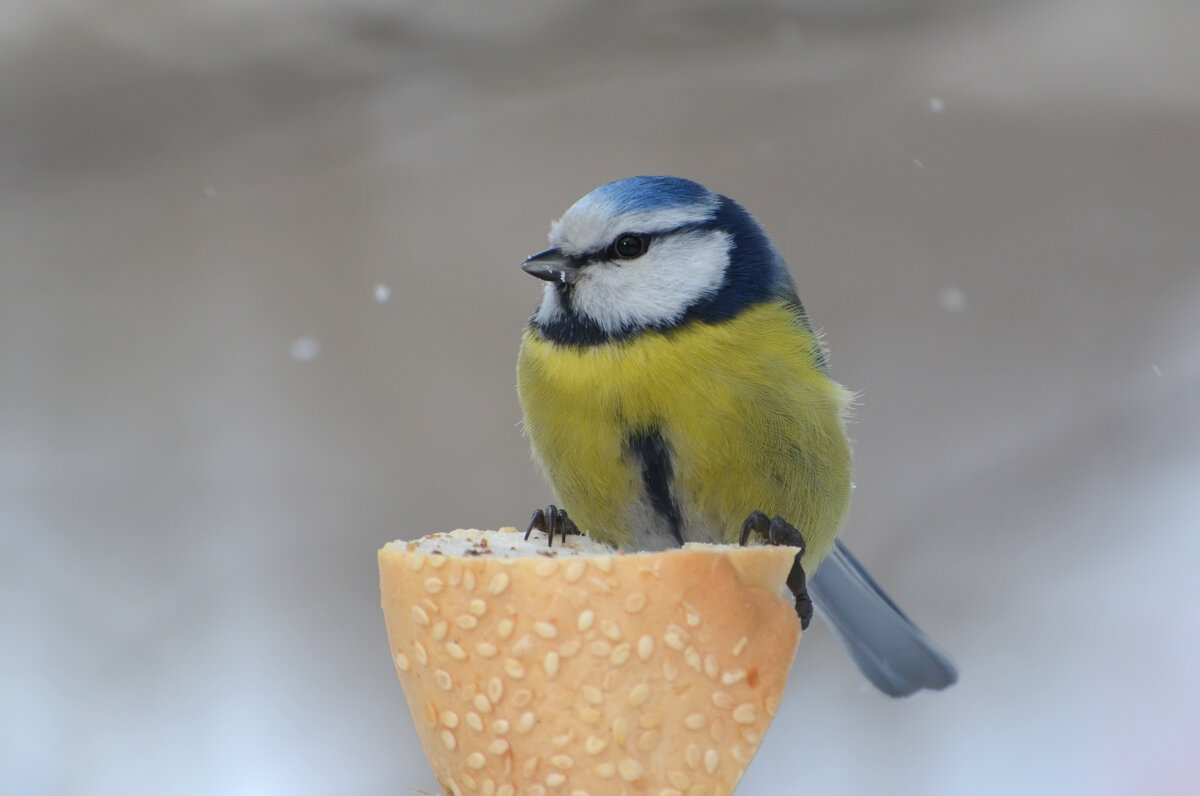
{"x": 607, "y": 254}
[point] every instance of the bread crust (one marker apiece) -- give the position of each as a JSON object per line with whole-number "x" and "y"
{"x": 553, "y": 673}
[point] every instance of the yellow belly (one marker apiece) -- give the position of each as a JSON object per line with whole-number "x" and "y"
{"x": 752, "y": 421}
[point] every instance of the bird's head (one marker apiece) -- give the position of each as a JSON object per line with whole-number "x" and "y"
{"x": 652, "y": 253}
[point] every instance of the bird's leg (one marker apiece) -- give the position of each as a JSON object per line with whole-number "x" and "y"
{"x": 779, "y": 531}
{"x": 549, "y": 521}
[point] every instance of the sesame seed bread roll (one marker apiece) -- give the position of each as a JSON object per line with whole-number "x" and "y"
{"x": 575, "y": 669}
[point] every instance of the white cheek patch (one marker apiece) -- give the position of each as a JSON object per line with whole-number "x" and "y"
{"x": 657, "y": 288}
{"x": 551, "y": 309}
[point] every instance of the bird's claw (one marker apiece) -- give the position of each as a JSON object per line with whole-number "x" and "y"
{"x": 778, "y": 531}
{"x": 549, "y": 521}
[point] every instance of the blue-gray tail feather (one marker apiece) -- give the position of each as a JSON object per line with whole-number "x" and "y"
{"x": 889, "y": 649}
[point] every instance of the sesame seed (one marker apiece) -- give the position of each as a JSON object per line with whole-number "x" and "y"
{"x": 530, "y": 766}
{"x": 546, "y": 567}
{"x": 506, "y": 790}
{"x": 474, "y": 721}
{"x": 415, "y": 562}
{"x": 440, "y": 629}
{"x": 522, "y": 698}
{"x": 485, "y": 649}
{"x": 669, "y": 671}
{"x": 594, "y": 745}
{"x": 574, "y": 571}
{"x": 773, "y": 704}
{"x": 562, "y": 761}
{"x": 586, "y": 617}
{"x": 609, "y": 628}
{"x": 592, "y": 694}
{"x": 711, "y": 761}
{"x": 751, "y": 736}
{"x": 648, "y": 721}
{"x": 498, "y": 747}
{"x": 535, "y": 790}
{"x": 722, "y": 700}
{"x": 468, "y": 781}
{"x": 639, "y": 694}
{"x": 545, "y": 629}
{"x": 477, "y": 607}
{"x": 692, "y": 658}
{"x": 620, "y": 654}
{"x": 692, "y": 755}
{"x": 431, "y": 712}
{"x": 733, "y": 676}
{"x": 679, "y": 779}
{"x": 522, "y": 646}
{"x": 620, "y": 730}
{"x": 437, "y": 562}
{"x": 740, "y": 647}
{"x": 449, "y": 718}
{"x": 476, "y": 760}
{"x": 635, "y": 602}
{"x": 600, "y": 648}
{"x": 580, "y": 793}
{"x": 500, "y": 726}
{"x": 605, "y": 770}
{"x": 466, "y": 621}
{"x": 456, "y": 652}
{"x": 711, "y": 667}
{"x": 590, "y": 716}
{"x": 744, "y": 713}
{"x": 525, "y": 723}
{"x": 554, "y": 779}
{"x": 630, "y": 769}
{"x": 443, "y": 679}
{"x": 693, "y": 620}
{"x": 402, "y": 662}
{"x": 419, "y": 653}
{"x": 551, "y": 663}
{"x": 598, "y": 585}
{"x": 495, "y": 689}
{"x": 455, "y": 790}
{"x": 694, "y": 721}
{"x": 504, "y": 629}
{"x": 570, "y": 648}
{"x": 648, "y": 740}
{"x": 603, "y": 563}
{"x": 448, "y": 739}
{"x": 430, "y": 605}
{"x": 469, "y": 580}
{"x": 739, "y": 754}
{"x": 499, "y": 583}
{"x": 645, "y": 648}
{"x": 513, "y": 668}
{"x": 419, "y": 615}
{"x": 674, "y": 641}
{"x": 433, "y": 585}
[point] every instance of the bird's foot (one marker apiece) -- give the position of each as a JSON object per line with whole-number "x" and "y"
{"x": 778, "y": 531}
{"x": 551, "y": 520}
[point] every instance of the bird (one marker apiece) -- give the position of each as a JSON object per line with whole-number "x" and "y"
{"x": 674, "y": 390}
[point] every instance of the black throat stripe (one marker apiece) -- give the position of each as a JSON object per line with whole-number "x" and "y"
{"x": 649, "y": 449}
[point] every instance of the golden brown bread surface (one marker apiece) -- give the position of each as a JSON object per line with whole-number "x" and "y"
{"x": 543, "y": 671}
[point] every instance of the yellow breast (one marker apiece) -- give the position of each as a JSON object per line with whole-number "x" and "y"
{"x": 751, "y": 421}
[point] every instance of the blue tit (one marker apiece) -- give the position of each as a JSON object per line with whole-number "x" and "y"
{"x": 672, "y": 387}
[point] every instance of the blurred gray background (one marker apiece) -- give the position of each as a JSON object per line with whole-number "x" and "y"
{"x": 259, "y": 311}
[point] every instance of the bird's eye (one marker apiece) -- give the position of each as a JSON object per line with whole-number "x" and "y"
{"x": 629, "y": 245}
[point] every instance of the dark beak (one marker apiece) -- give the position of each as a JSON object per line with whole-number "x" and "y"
{"x": 551, "y": 265}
